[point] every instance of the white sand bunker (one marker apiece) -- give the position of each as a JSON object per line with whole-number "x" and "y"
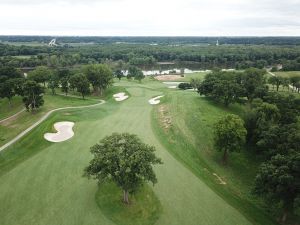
{"x": 64, "y": 132}
{"x": 120, "y": 96}
{"x": 155, "y": 101}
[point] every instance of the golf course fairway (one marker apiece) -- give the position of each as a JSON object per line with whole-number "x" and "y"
{"x": 48, "y": 187}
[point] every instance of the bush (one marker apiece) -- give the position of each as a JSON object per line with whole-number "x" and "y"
{"x": 185, "y": 86}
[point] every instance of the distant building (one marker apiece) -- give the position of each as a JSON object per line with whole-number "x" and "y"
{"x": 217, "y": 44}
{"x": 52, "y": 43}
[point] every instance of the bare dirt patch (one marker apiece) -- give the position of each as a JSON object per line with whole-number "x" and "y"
{"x": 168, "y": 77}
{"x": 164, "y": 117}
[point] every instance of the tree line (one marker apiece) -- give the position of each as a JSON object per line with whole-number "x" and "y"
{"x": 32, "y": 87}
{"x": 269, "y": 129}
{"x": 145, "y": 55}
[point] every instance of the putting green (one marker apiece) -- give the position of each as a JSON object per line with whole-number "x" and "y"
{"x": 48, "y": 188}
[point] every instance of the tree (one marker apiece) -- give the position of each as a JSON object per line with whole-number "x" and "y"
{"x": 229, "y": 135}
{"x": 100, "y": 76}
{"x": 119, "y": 74}
{"x": 253, "y": 80}
{"x": 275, "y": 81}
{"x": 124, "y": 159}
{"x": 195, "y": 82}
{"x": 136, "y": 73}
{"x": 40, "y": 75}
{"x": 53, "y": 83}
{"x": 32, "y": 95}
{"x": 82, "y": 84}
{"x": 7, "y": 90}
{"x": 64, "y": 82}
{"x": 278, "y": 180}
{"x": 294, "y": 81}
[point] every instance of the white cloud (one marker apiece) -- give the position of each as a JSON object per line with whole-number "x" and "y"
{"x": 156, "y": 17}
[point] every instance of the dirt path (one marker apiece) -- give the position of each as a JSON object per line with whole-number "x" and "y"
{"x": 19, "y": 136}
{"x": 16, "y": 114}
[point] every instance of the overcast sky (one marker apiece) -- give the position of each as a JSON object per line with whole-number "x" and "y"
{"x": 150, "y": 18}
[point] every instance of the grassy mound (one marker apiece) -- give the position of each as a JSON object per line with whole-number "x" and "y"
{"x": 144, "y": 207}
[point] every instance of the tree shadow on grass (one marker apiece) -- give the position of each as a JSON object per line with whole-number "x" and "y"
{"x": 144, "y": 207}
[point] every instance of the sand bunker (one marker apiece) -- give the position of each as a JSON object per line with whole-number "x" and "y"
{"x": 120, "y": 96}
{"x": 155, "y": 101}
{"x": 64, "y": 132}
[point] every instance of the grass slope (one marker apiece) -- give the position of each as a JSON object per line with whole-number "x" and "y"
{"x": 183, "y": 123}
{"x": 48, "y": 187}
{"x": 7, "y": 110}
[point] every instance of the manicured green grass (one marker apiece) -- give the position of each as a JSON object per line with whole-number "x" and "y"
{"x": 288, "y": 74}
{"x": 144, "y": 207}
{"x": 7, "y": 110}
{"x": 198, "y": 75}
{"x": 47, "y": 187}
{"x": 189, "y": 138}
{"x": 12, "y": 127}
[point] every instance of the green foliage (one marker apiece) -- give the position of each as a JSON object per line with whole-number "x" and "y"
{"x": 100, "y": 76}
{"x": 278, "y": 180}
{"x": 136, "y": 73}
{"x": 229, "y": 134}
{"x": 253, "y": 81}
{"x": 81, "y": 83}
{"x": 7, "y": 90}
{"x": 185, "y": 86}
{"x": 222, "y": 86}
{"x": 125, "y": 160}
{"x": 276, "y": 81}
{"x": 53, "y": 83}
{"x": 32, "y": 95}
{"x": 40, "y": 74}
{"x": 64, "y": 82}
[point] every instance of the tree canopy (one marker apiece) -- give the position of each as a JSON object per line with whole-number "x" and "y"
{"x": 124, "y": 159}
{"x": 229, "y": 135}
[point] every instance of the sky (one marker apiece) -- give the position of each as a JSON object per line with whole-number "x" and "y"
{"x": 150, "y": 18}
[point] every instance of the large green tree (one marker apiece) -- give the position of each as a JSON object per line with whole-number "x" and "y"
{"x": 254, "y": 83}
{"x": 82, "y": 84}
{"x": 136, "y": 73}
{"x": 7, "y": 90}
{"x": 278, "y": 180}
{"x": 100, "y": 76}
{"x": 40, "y": 74}
{"x": 229, "y": 135}
{"x": 32, "y": 95}
{"x": 124, "y": 159}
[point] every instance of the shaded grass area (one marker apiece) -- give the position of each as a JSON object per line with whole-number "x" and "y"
{"x": 144, "y": 207}
{"x": 189, "y": 139}
{"x": 7, "y": 110}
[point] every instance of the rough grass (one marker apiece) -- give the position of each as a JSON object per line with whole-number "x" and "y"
{"x": 288, "y": 74}
{"x": 7, "y": 110}
{"x": 189, "y": 139}
{"x": 144, "y": 207}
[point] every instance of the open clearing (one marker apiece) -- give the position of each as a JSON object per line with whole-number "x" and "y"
{"x": 48, "y": 187}
{"x": 288, "y": 74}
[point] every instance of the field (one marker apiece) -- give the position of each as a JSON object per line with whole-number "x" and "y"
{"x": 48, "y": 187}
{"x": 288, "y": 74}
{"x": 186, "y": 78}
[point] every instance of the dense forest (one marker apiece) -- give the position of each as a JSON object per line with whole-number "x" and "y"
{"x": 145, "y": 55}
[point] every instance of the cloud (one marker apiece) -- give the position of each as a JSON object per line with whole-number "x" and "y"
{"x": 156, "y": 17}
